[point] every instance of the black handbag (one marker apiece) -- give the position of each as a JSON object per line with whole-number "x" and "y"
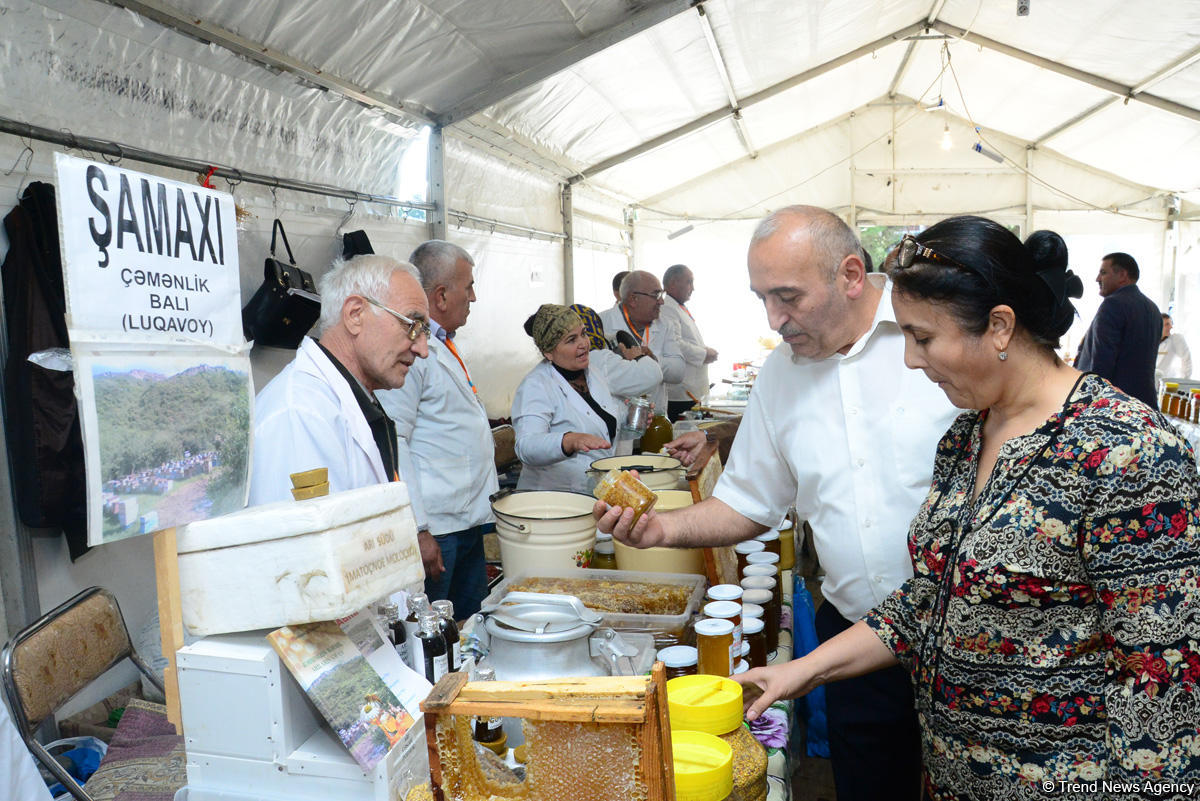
{"x": 285, "y": 307}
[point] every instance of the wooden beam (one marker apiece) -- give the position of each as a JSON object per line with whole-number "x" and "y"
{"x": 170, "y": 617}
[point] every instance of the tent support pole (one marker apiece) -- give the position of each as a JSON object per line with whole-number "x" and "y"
{"x": 1028, "y": 193}
{"x": 437, "y": 182}
{"x": 568, "y": 215}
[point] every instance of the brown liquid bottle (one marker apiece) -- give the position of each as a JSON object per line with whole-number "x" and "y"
{"x": 658, "y": 433}
{"x": 489, "y": 731}
{"x": 445, "y": 613}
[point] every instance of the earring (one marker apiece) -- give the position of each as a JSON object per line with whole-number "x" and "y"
{"x": 1003, "y": 355}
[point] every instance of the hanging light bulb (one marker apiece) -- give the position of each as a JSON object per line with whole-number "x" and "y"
{"x": 947, "y": 142}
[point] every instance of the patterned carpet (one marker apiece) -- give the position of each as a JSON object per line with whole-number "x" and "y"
{"x": 145, "y": 760}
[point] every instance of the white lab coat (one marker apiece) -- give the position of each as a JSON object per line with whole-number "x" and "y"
{"x": 444, "y": 444}
{"x": 306, "y": 418}
{"x": 19, "y": 779}
{"x": 1174, "y": 358}
{"x": 626, "y": 378}
{"x": 693, "y": 350}
{"x": 545, "y": 408}
{"x": 664, "y": 342}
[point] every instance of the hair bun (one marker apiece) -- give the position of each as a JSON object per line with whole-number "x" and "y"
{"x": 529, "y": 324}
{"x": 1048, "y": 251}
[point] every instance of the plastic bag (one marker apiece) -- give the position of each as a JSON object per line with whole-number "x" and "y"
{"x": 80, "y": 756}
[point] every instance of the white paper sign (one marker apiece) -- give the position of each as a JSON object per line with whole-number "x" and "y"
{"x": 148, "y": 257}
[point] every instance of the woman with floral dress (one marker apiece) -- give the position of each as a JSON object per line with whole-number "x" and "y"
{"x": 1052, "y": 626}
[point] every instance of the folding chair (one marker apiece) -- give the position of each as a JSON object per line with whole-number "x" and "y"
{"x": 49, "y": 661}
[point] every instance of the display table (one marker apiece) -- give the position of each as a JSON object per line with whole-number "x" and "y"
{"x": 774, "y": 727}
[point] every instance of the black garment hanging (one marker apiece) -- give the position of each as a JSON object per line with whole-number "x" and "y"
{"x": 41, "y": 416}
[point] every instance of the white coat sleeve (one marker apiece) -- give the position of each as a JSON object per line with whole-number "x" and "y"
{"x": 533, "y": 414}
{"x": 1185, "y": 356}
{"x": 19, "y": 777}
{"x": 298, "y": 437}
{"x": 627, "y": 378}
{"x": 671, "y": 360}
{"x": 403, "y": 405}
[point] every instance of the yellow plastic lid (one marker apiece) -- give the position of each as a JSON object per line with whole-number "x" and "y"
{"x": 1172, "y": 386}
{"x": 703, "y": 766}
{"x": 709, "y": 704}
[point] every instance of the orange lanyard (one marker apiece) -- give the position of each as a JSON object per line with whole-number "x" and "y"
{"x": 644, "y": 336}
{"x": 689, "y": 314}
{"x": 461, "y": 363}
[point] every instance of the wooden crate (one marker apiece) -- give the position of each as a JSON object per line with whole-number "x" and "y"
{"x": 639, "y": 701}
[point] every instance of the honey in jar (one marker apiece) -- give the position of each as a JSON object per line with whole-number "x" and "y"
{"x": 754, "y": 634}
{"x": 787, "y": 546}
{"x": 770, "y": 541}
{"x": 731, "y": 611}
{"x": 678, "y": 660}
{"x": 743, "y": 550}
{"x": 714, "y": 639}
{"x": 769, "y": 571}
{"x": 766, "y": 600}
{"x": 724, "y": 592}
{"x": 624, "y": 489}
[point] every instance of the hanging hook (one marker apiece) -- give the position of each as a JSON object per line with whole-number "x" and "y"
{"x": 116, "y": 159}
{"x": 350, "y": 204}
{"x": 275, "y": 199}
{"x": 27, "y": 154}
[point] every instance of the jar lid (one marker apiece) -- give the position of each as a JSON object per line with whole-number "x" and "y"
{"x": 711, "y": 704}
{"x": 751, "y": 611}
{"x": 703, "y": 766}
{"x": 758, "y": 597}
{"x": 745, "y": 649}
{"x": 677, "y": 656}
{"x": 741, "y": 667}
{"x": 749, "y": 547}
{"x": 712, "y": 627}
{"x": 1172, "y": 386}
{"x": 722, "y": 609}
{"x": 605, "y": 547}
{"x": 601, "y": 536}
{"x": 760, "y": 570}
{"x": 752, "y": 625}
{"x": 764, "y": 558}
{"x": 725, "y": 592}
{"x": 785, "y": 526}
{"x": 758, "y": 583}
{"x": 768, "y": 536}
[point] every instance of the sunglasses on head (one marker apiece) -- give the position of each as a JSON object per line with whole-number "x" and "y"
{"x": 909, "y": 250}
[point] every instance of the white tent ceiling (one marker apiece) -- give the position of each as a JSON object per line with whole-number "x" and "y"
{"x": 574, "y": 84}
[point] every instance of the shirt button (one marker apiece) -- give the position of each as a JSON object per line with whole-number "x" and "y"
{"x": 879, "y": 579}
{"x": 852, "y": 410}
{"x": 862, "y": 462}
{"x": 867, "y": 523}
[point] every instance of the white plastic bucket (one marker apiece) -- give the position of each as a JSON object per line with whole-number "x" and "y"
{"x": 662, "y": 560}
{"x": 542, "y": 530}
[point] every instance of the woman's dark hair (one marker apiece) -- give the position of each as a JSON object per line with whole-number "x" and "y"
{"x": 1031, "y": 278}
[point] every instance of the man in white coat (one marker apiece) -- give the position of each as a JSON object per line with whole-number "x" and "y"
{"x": 445, "y": 445}
{"x": 319, "y": 410}
{"x": 679, "y": 283}
{"x": 638, "y": 314}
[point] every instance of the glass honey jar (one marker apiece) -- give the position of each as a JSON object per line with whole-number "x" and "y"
{"x": 714, "y": 639}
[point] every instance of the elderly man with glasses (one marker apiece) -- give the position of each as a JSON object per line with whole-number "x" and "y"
{"x": 447, "y": 454}
{"x": 637, "y": 313}
{"x": 320, "y": 411}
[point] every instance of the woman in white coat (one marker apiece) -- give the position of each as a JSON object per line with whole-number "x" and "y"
{"x": 564, "y": 413}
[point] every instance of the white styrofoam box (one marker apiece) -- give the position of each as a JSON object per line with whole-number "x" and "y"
{"x": 297, "y": 561}
{"x": 250, "y": 731}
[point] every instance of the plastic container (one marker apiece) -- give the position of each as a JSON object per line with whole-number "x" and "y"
{"x": 713, "y": 705}
{"x": 667, "y": 629}
{"x": 662, "y": 560}
{"x": 703, "y": 766}
{"x": 543, "y": 530}
{"x": 624, "y": 489}
{"x": 679, "y": 660}
{"x": 714, "y": 647}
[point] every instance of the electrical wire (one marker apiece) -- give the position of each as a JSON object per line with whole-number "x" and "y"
{"x": 1020, "y": 167}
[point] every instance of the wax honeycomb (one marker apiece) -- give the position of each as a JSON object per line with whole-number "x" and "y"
{"x": 622, "y": 597}
{"x": 565, "y": 762}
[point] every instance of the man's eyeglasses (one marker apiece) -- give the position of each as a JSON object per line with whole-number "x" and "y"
{"x": 416, "y": 328}
{"x": 656, "y": 295}
{"x": 909, "y": 250}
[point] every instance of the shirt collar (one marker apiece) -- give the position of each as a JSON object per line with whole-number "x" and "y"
{"x": 884, "y": 314}
{"x": 441, "y": 333}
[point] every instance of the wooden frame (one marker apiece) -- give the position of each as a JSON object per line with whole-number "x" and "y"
{"x": 720, "y": 564}
{"x": 638, "y": 700}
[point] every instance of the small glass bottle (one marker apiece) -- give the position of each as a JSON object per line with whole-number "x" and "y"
{"x": 713, "y": 641}
{"x": 1172, "y": 398}
{"x": 678, "y": 660}
{"x": 389, "y": 613}
{"x": 604, "y": 555}
{"x": 445, "y": 611}
{"x": 755, "y": 635}
{"x": 658, "y": 433}
{"x": 418, "y": 603}
{"x": 489, "y": 731}
{"x": 1196, "y": 405}
{"x": 433, "y": 646}
{"x": 787, "y": 545}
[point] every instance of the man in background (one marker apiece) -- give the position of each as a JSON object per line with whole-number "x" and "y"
{"x": 679, "y": 283}
{"x": 1122, "y": 342}
{"x": 444, "y": 441}
{"x": 637, "y": 313}
{"x": 320, "y": 411}
{"x": 1174, "y": 355}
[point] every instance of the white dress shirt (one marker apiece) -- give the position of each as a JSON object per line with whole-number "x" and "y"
{"x": 850, "y": 441}
{"x": 546, "y": 407}
{"x": 693, "y": 350}
{"x": 445, "y": 449}
{"x": 1174, "y": 358}
{"x": 663, "y": 339}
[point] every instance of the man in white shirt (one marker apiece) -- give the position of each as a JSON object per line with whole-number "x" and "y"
{"x": 679, "y": 283}
{"x": 1174, "y": 355}
{"x": 839, "y": 428}
{"x": 637, "y": 313}
{"x": 319, "y": 410}
{"x": 445, "y": 445}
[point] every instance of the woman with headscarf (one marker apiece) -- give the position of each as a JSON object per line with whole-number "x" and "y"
{"x": 628, "y": 369}
{"x": 1052, "y": 626}
{"x": 564, "y": 412}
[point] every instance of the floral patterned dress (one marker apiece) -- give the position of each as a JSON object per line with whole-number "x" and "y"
{"x": 1053, "y": 627}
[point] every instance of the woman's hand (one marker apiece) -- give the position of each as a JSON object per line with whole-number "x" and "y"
{"x": 574, "y": 442}
{"x": 763, "y": 686}
{"x": 686, "y": 447}
{"x": 630, "y": 353}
